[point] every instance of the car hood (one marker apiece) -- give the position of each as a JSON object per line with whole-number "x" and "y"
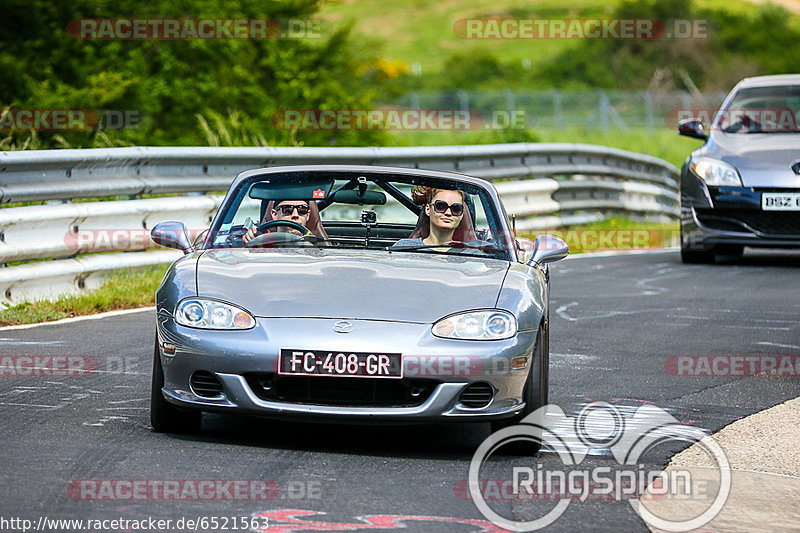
{"x": 763, "y": 159}
{"x": 358, "y": 284}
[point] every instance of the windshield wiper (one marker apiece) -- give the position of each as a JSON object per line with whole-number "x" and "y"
{"x": 483, "y": 247}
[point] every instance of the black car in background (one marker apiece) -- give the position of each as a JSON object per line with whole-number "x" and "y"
{"x": 742, "y": 187}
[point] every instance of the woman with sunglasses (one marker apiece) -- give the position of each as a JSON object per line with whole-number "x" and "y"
{"x": 442, "y": 214}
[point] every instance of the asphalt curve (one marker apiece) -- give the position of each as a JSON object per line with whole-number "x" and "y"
{"x": 73, "y": 445}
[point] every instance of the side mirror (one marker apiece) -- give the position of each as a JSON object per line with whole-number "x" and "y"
{"x": 692, "y": 128}
{"x": 547, "y": 249}
{"x": 172, "y": 235}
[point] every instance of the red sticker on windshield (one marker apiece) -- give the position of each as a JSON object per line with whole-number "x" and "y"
{"x": 319, "y": 193}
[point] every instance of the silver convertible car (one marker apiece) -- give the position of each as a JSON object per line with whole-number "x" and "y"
{"x": 353, "y": 293}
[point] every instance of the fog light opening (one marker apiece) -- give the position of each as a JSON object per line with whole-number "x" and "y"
{"x": 206, "y": 385}
{"x": 519, "y": 362}
{"x": 477, "y": 395}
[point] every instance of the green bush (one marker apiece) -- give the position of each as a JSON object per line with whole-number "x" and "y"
{"x": 236, "y": 85}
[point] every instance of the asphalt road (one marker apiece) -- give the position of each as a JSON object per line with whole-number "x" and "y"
{"x": 615, "y": 320}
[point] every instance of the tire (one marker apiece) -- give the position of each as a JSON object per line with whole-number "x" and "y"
{"x": 693, "y": 256}
{"x": 535, "y": 397}
{"x": 164, "y": 417}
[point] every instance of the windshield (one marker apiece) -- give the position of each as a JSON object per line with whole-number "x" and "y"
{"x": 345, "y": 210}
{"x": 762, "y": 110}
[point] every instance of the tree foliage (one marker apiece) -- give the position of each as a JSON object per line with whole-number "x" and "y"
{"x": 734, "y": 45}
{"x": 186, "y": 91}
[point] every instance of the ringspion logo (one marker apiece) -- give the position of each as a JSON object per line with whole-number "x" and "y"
{"x": 626, "y": 439}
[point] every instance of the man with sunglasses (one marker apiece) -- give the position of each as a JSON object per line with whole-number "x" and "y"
{"x": 293, "y": 210}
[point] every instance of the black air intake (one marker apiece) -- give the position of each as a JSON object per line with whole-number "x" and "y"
{"x": 477, "y": 395}
{"x": 205, "y": 384}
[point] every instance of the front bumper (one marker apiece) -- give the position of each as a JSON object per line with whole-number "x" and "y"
{"x": 448, "y": 367}
{"x": 733, "y": 215}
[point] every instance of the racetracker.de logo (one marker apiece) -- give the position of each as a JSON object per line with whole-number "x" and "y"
{"x": 116, "y": 239}
{"x": 47, "y": 366}
{"x": 175, "y": 29}
{"x": 695, "y": 366}
{"x": 739, "y": 120}
{"x": 173, "y": 489}
{"x": 600, "y": 29}
{"x": 68, "y": 119}
{"x": 604, "y": 239}
{"x": 395, "y": 119}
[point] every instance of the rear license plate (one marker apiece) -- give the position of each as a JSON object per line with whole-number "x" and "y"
{"x": 780, "y": 201}
{"x": 295, "y": 362}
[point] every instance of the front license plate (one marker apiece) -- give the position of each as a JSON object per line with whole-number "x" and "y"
{"x": 295, "y": 362}
{"x": 780, "y": 201}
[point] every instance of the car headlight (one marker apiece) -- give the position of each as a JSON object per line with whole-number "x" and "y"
{"x": 477, "y": 325}
{"x": 716, "y": 172}
{"x": 211, "y": 314}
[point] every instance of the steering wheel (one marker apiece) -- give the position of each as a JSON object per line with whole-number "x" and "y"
{"x": 271, "y": 239}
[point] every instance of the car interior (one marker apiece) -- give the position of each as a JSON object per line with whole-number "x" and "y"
{"x": 356, "y": 211}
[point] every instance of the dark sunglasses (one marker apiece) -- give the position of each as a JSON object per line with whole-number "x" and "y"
{"x": 440, "y": 206}
{"x": 287, "y": 209}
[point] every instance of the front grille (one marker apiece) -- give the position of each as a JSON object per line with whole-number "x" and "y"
{"x": 747, "y": 220}
{"x": 341, "y": 391}
{"x": 205, "y": 384}
{"x": 477, "y": 395}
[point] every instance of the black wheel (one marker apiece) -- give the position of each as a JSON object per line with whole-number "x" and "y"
{"x": 694, "y": 256}
{"x": 164, "y": 417}
{"x": 535, "y": 394}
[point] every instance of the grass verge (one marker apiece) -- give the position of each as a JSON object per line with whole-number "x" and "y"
{"x": 124, "y": 289}
{"x": 661, "y": 142}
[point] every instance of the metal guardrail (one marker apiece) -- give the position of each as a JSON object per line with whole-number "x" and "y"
{"x": 545, "y": 185}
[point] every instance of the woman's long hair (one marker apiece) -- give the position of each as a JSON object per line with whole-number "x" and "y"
{"x": 422, "y": 195}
